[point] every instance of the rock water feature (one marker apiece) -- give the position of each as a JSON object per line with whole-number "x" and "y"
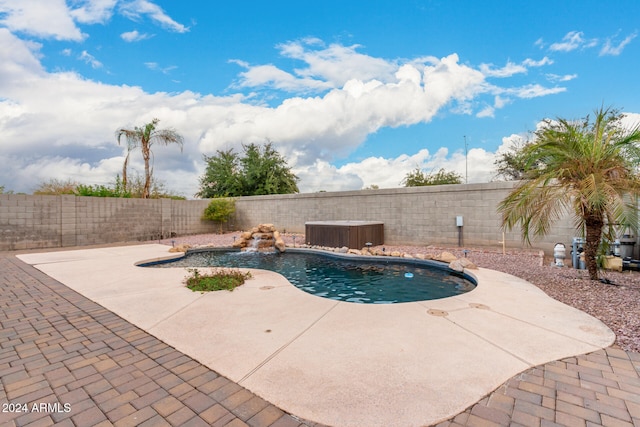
{"x": 263, "y": 238}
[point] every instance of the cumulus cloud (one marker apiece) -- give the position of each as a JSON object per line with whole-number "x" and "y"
{"x": 476, "y": 166}
{"x": 58, "y": 19}
{"x": 322, "y": 68}
{"x": 41, "y": 18}
{"x": 272, "y": 77}
{"x": 93, "y": 11}
{"x": 66, "y": 123}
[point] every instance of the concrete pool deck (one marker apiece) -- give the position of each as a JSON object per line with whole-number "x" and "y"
{"x": 417, "y": 363}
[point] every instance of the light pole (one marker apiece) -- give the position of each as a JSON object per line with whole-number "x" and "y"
{"x": 466, "y": 162}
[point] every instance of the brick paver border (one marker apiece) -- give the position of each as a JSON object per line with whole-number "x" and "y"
{"x": 65, "y": 360}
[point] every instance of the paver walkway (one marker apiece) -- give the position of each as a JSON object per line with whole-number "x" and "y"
{"x": 58, "y": 347}
{"x": 597, "y": 389}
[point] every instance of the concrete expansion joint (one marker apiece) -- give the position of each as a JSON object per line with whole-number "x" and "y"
{"x": 164, "y": 319}
{"x": 488, "y": 341}
{"x": 551, "y": 331}
{"x": 287, "y": 344}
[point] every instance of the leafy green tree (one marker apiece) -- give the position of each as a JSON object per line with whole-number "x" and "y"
{"x": 510, "y": 165}
{"x": 587, "y": 168}
{"x": 220, "y": 210}
{"x": 222, "y": 176}
{"x": 417, "y": 178}
{"x": 261, "y": 170}
{"x": 1, "y": 189}
{"x": 145, "y": 137}
{"x": 266, "y": 171}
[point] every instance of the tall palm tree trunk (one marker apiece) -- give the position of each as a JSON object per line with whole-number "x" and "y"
{"x": 124, "y": 172}
{"x": 594, "y": 225}
{"x": 147, "y": 171}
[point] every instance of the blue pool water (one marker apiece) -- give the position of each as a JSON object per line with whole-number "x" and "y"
{"x": 383, "y": 281}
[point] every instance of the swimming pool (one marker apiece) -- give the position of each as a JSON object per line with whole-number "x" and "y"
{"x": 364, "y": 280}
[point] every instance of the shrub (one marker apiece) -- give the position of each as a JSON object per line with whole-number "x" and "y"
{"x": 219, "y": 210}
{"x": 217, "y": 280}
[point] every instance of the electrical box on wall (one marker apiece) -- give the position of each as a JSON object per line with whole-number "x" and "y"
{"x": 459, "y": 220}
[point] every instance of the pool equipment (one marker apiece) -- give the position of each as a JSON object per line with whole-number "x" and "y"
{"x": 559, "y": 254}
{"x": 577, "y": 247}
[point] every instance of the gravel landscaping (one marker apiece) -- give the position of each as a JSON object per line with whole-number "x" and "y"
{"x": 616, "y": 304}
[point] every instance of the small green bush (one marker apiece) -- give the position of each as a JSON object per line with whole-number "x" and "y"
{"x": 220, "y": 210}
{"x": 217, "y": 280}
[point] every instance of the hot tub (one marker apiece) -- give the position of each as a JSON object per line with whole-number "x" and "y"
{"x": 352, "y": 234}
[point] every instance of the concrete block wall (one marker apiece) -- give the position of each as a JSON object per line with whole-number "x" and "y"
{"x": 28, "y": 219}
{"x": 31, "y": 222}
{"x": 416, "y": 215}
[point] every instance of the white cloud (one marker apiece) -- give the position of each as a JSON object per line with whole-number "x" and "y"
{"x": 533, "y": 63}
{"x": 323, "y": 67}
{"x": 134, "y": 36}
{"x": 156, "y": 67}
{"x": 135, "y": 9}
{"x": 555, "y": 78}
{"x": 90, "y": 59}
{"x": 500, "y": 102}
{"x": 487, "y": 111}
{"x": 532, "y": 91}
{"x": 66, "y": 123}
{"x": 55, "y": 19}
{"x": 507, "y": 71}
{"x": 571, "y": 41}
{"x": 611, "y": 49}
{"x": 94, "y": 11}
{"x": 337, "y": 64}
{"x": 512, "y": 68}
{"x": 273, "y": 77}
{"x": 41, "y": 18}
{"x": 631, "y": 120}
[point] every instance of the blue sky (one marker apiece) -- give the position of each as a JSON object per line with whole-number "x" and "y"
{"x": 353, "y": 94}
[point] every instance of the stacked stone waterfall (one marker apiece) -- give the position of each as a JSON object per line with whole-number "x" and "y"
{"x": 263, "y": 238}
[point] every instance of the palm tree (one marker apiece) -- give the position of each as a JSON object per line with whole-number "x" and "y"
{"x": 144, "y": 138}
{"x": 587, "y": 168}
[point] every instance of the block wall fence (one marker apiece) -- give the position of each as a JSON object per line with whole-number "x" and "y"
{"x": 33, "y": 222}
{"x": 411, "y": 215}
{"x": 415, "y": 216}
